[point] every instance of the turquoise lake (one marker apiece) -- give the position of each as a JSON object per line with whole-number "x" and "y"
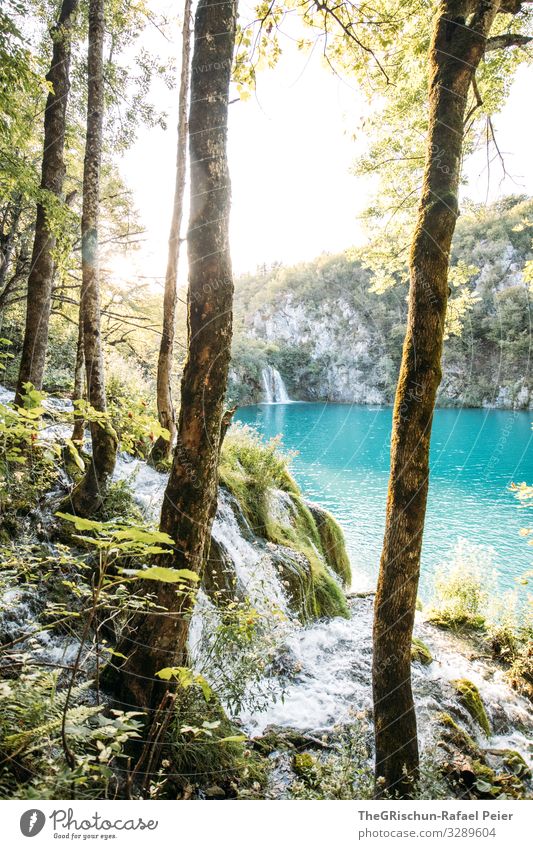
{"x": 343, "y": 464}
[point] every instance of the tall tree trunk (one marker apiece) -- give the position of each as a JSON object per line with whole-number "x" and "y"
{"x": 87, "y": 496}
{"x": 41, "y": 275}
{"x": 457, "y": 47}
{"x": 79, "y": 381}
{"x": 165, "y": 407}
{"x": 190, "y": 498}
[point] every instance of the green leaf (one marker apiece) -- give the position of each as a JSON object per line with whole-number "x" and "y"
{"x": 168, "y": 576}
{"x": 81, "y": 524}
{"x": 234, "y": 738}
{"x": 142, "y": 535}
{"x": 206, "y": 689}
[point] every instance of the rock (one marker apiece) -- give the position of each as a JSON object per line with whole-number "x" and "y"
{"x": 215, "y": 792}
{"x": 471, "y": 700}
{"x": 420, "y": 653}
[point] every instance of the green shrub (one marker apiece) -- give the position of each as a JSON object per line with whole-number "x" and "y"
{"x": 33, "y": 763}
{"x": 207, "y": 750}
{"x": 463, "y": 589}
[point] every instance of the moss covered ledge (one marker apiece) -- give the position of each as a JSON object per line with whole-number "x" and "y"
{"x": 471, "y": 700}
{"x": 312, "y": 558}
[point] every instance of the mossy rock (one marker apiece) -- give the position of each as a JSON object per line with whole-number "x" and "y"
{"x": 332, "y": 543}
{"x": 296, "y": 576}
{"x": 471, "y": 700}
{"x": 442, "y": 618}
{"x": 298, "y": 531}
{"x": 420, "y": 653}
{"x": 457, "y": 737}
{"x": 275, "y": 510}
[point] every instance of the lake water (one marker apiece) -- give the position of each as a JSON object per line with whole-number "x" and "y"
{"x": 343, "y": 464}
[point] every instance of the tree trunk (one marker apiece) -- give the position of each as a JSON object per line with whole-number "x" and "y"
{"x": 455, "y": 53}
{"x": 79, "y": 380}
{"x": 87, "y": 496}
{"x": 165, "y": 407}
{"x": 7, "y": 238}
{"x": 190, "y": 498}
{"x": 41, "y": 275}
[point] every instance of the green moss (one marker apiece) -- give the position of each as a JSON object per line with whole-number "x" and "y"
{"x": 471, "y": 700}
{"x": 420, "y": 652}
{"x": 301, "y": 535}
{"x": 251, "y": 470}
{"x": 332, "y": 543}
{"x": 457, "y": 736}
{"x": 454, "y": 622}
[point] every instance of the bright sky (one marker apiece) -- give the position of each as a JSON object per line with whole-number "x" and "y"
{"x": 291, "y": 148}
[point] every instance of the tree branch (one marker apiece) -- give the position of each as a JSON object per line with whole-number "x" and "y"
{"x": 508, "y": 39}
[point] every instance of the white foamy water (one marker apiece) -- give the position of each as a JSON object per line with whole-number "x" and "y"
{"x": 326, "y": 674}
{"x": 329, "y": 662}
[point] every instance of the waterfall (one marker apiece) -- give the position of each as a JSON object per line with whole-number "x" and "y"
{"x": 275, "y": 390}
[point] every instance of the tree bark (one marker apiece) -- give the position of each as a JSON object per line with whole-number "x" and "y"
{"x": 165, "y": 406}
{"x": 41, "y": 275}
{"x": 457, "y": 47}
{"x": 7, "y": 238}
{"x": 79, "y": 380}
{"x": 190, "y": 498}
{"x": 87, "y": 497}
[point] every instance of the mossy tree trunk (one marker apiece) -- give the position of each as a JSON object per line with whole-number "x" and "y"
{"x": 189, "y": 503}
{"x": 458, "y": 44}
{"x": 165, "y": 406}
{"x": 79, "y": 381}
{"x": 41, "y": 275}
{"x": 88, "y": 494}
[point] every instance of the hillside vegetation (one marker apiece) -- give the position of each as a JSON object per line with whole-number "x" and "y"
{"x": 356, "y": 355}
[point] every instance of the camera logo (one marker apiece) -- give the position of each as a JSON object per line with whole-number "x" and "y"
{"x": 32, "y": 822}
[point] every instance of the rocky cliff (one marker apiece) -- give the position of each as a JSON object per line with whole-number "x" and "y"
{"x": 334, "y": 339}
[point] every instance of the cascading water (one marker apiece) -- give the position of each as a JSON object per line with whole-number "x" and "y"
{"x": 274, "y": 387}
{"x": 324, "y": 676}
{"x": 327, "y": 665}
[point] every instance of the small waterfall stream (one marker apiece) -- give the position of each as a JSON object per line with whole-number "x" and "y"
{"x": 274, "y": 387}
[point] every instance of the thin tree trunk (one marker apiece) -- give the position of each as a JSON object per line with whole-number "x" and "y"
{"x": 8, "y": 239}
{"x": 41, "y": 275}
{"x": 456, "y": 50}
{"x": 19, "y": 273}
{"x": 190, "y": 498}
{"x": 79, "y": 381}
{"x": 87, "y": 496}
{"x": 165, "y": 407}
